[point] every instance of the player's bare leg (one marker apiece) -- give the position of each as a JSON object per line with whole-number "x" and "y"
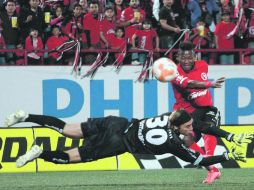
{"x": 74, "y": 156}
{"x": 73, "y": 130}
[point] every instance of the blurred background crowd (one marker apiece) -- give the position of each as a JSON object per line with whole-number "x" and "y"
{"x": 48, "y": 29}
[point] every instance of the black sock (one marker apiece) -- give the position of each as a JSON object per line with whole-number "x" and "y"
{"x": 210, "y": 129}
{"x": 47, "y": 121}
{"x": 57, "y": 157}
{"x": 219, "y": 132}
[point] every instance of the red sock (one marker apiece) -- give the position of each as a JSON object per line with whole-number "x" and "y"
{"x": 197, "y": 148}
{"x": 210, "y": 144}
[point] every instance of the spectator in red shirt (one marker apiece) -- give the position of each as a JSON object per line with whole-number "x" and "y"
{"x": 107, "y": 26}
{"x": 201, "y": 38}
{"x": 53, "y": 43}
{"x": 132, "y": 18}
{"x": 146, "y": 38}
{"x": 222, "y": 40}
{"x": 91, "y": 24}
{"x": 34, "y": 44}
{"x": 72, "y": 26}
{"x": 118, "y": 42}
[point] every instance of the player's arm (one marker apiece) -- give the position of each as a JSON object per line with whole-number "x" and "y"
{"x": 185, "y": 82}
{"x": 236, "y": 153}
{"x": 194, "y": 84}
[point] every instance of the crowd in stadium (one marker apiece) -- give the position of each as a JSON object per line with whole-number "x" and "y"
{"x": 141, "y": 26}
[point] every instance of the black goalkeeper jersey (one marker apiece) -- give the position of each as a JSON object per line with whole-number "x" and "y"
{"x": 152, "y": 136}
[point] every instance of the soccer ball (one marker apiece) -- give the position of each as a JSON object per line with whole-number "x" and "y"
{"x": 164, "y": 69}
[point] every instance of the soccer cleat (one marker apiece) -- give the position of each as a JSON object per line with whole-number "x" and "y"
{"x": 212, "y": 176}
{"x": 14, "y": 118}
{"x": 32, "y": 154}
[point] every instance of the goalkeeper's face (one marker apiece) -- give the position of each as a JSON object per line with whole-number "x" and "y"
{"x": 186, "y": 128}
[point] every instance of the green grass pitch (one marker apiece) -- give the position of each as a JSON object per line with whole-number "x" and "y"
{"x": 231, "y": 179}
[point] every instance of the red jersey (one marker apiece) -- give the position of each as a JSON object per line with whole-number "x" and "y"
{"x": 128, "y": 14}
{"x": 222, "y": 29}
{"x": 190, "y": 99}
{"x": 107, "y": 28}
{"x": 145, "y": 38}
{"x": 117, "y": 43}
{"x": 53, "y": 42}
{"x": 92, "y": 24}
{"x": 72, "y": 28}
{"x": 34, "y": 45}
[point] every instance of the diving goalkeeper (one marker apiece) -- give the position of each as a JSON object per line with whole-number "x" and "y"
{"x": 110, "y": 136}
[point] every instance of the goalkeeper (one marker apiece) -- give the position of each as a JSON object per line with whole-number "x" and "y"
{"x": 110, "y": 136}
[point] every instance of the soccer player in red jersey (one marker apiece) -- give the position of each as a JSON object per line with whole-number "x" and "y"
{"x": 191, "y": 93}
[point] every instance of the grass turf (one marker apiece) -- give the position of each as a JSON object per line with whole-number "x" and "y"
{"x": 232, "y": 179}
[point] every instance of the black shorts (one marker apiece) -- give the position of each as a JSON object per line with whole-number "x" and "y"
{"x": 202, "y": 120}
{"x": 103, "y": 137}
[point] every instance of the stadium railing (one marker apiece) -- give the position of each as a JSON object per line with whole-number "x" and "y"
{"x": 241, "y": 53}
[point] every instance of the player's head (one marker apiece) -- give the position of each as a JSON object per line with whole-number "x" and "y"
{"x": 186, "y": 56}
{"x": 181, "y": 122}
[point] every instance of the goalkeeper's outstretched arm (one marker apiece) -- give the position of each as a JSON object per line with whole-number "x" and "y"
{"x": 236, "y": 153}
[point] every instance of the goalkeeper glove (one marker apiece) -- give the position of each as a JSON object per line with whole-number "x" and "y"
{"x": 237, "y": 153}
{"x": 241, "y": 138}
